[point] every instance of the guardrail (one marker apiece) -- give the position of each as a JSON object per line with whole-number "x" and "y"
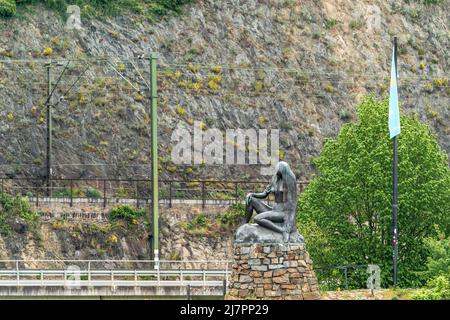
{"x": 149, "y": 274}
{"x": 336, "y": 279}
{"x": 111, "y": 191}
{"x": 76, "y": 274}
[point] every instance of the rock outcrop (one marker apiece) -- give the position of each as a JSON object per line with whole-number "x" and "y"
{"x": 305, "y": 64}
{"x": 253, "y": 233}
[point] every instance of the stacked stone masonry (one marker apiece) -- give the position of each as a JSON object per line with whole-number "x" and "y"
{"x": 272, "y": 271}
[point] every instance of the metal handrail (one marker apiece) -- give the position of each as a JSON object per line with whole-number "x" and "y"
{"x": 207, "y": 273}
{"x": 142, "y": 179}
{"x": 351, "y": 266}
{"x": 202, "y": 191}
{"x": 344, "y": 267}
{"x": 46, "y": 277}
{"x": 116, "y": 260}
{"x": 185, "y": 272}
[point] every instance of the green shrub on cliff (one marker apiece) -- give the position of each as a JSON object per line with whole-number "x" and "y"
{"x": 234, "y": 214}
{"x": 345, "y": 212}
{"x": 437, "y": 289}
{"x": 199, "y": 222}
{"x": 90, "y": 192}
{"x": 16, "y": 206}
{"x": 93, "y": 193}
{"x": 126, "y": 212}
{"x": 430, "y": 2}
{"x": 7, "y": 8}
{"x": 11, "y": 207}
{"x": 215, "y": 225}
{"x": 96, "y": 8}
{"x": 438, "y": 260}
{"x": 163, "y": 7}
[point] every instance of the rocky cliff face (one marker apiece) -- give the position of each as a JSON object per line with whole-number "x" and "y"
{"x": 297, "y": 66}
{"x": 88, "y": 239}
{"x": 68, "y": 240}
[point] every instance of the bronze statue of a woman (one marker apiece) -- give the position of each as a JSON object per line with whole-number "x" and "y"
{"x": 281, "y": 217}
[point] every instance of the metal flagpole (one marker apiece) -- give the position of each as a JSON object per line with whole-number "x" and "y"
{"x": 395, "y": 194}
{"x": 154, "y": 158}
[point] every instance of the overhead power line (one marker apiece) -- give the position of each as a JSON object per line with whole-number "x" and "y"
{"x": 162, "y": 65}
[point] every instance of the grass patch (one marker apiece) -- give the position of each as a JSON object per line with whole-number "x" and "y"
{"x": 7, "y": 8}
{"x": 399, "y": 294}
{"x": 90, "y": 192}
{"x": 221, "y": 224}
{"x": 126, "y": 212}
{"x": 330, "y": 23}
{"x": 11, "y": 207}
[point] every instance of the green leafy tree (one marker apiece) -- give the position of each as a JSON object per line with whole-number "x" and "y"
{"x": 438, "y": 261}
{"x": 438, "y": 269}
{"x": 346, "y": 211}
{"x": 437, "y": 289}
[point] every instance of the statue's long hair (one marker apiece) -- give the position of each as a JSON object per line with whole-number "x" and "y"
{"x": 288, "y": 179}
{"x": 289, "y": 193}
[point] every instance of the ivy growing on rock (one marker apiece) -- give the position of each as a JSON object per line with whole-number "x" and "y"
{"x": 96, "y": 8}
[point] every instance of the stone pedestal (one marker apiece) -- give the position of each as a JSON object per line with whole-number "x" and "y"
{"x": 272, "y": 271}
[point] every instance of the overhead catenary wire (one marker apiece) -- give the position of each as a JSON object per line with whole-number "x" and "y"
{"x": 70, "y": 88}
{"x": 57, "y": 82}
{"x": 196, "y": 64}
{"x": 314, "y": 77}
{"x": 140, "y": 74}
{"x": 407, "y": 83}
{"x": 123, "y": 77}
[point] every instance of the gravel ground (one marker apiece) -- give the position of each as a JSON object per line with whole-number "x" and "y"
{"x": 365, "y": 294}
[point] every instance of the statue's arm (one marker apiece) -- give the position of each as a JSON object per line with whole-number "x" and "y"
{"x": 264, "y": 194}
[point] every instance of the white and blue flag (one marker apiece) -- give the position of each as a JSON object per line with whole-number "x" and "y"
{"x": 394, "y": 113}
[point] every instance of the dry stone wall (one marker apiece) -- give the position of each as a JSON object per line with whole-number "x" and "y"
{"x": 273, "y": 271}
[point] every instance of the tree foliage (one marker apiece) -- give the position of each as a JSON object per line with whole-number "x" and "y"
{"x": 7, "y": 8}
{"x": 438, "y": 269}
{"x": 437, "y": 289}
{"x": 98, "y": 8}
{"x": 126, "y": 212}
{"x": 438, "y": 260}
{"x": 346, "y": 211}
{"x": 12, "y": 207}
